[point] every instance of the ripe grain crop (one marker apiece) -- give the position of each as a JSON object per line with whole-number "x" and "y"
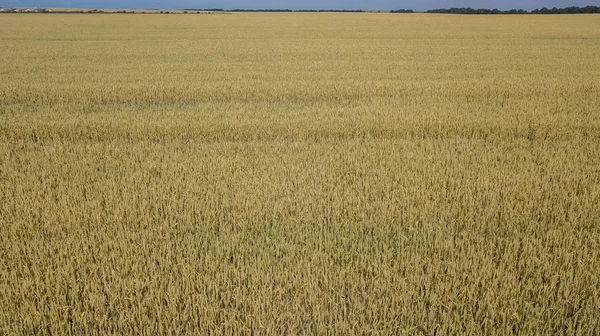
{"x": 299, "y": 174}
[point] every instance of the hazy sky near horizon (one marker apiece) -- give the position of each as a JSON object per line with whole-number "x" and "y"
{"x": 296, "y": 4}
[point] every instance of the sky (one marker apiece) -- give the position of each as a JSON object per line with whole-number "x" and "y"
{"x": 299, "y": 4}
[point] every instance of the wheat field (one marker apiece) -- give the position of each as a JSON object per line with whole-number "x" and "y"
{"x": 299, "y": 173}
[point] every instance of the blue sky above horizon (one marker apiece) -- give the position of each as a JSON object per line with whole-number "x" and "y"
{"x": 295, "y": 4}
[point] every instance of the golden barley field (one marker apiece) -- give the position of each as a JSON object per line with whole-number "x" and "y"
{"x": 299, "y": 173}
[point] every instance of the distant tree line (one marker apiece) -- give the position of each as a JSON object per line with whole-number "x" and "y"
{"x": 566, "y": 10}
{"x": 279, "y": 10}
{"x": 463, "y": 10}
{"x": 331, "y": 10}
